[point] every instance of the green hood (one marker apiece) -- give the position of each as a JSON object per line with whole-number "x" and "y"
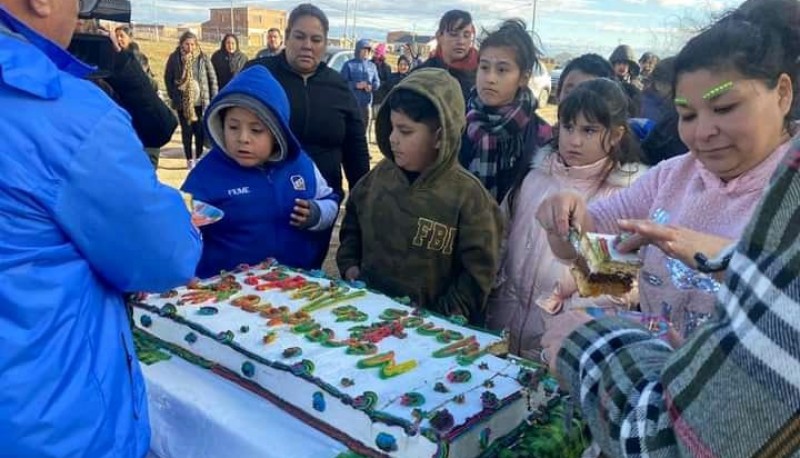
{"x": 443, "y": 90}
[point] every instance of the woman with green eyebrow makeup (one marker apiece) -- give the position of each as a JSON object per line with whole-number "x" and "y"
{"x": 734, "y": 90}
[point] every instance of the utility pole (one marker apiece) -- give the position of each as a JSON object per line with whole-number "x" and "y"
{"x": 232, "y": 16}
{"x": 534, "y": 4}
{"x": 355, "y": 18}
{"x": 155, "y": 18}
{"x": 346, "y": 18}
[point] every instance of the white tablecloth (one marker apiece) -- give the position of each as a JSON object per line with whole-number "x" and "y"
{"x": 195, "y": 414}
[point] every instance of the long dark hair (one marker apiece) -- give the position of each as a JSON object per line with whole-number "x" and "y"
{"x": 760, "y": 40}
{"x": 228, "y": 35}
{"x": 590, "y": 64}
{"x": 512, "y": 34}
{"x": 600, "y": 101}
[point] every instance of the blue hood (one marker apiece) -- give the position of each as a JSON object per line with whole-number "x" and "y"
{"x": 257, "y": 84}
{"x": 361, "y": 44}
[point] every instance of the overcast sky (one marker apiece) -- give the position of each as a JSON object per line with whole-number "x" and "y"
{"x": 575, "y": 25}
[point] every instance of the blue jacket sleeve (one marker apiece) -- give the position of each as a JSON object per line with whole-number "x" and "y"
{"x": 347, "y": 76}
{"x": 135, "y": 232}
{"x": 375, "y": 81}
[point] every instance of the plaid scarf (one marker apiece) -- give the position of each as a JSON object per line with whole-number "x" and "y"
{"x": 497, "y": 136}
{"x": 731, "y": 390}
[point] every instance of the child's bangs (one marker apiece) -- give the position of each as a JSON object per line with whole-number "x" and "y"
{"x": 586, "y": 103}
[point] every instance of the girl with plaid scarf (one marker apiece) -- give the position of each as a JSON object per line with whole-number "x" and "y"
{"x": 503, "y": 131}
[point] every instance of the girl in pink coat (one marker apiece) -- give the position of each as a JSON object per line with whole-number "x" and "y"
{"x": 595, "y": 155}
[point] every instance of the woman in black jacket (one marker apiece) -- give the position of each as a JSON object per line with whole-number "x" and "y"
{"x": 325, "y": 116}
{"x": 228, "y": 60}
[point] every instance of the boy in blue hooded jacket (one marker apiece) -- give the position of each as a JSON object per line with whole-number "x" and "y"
{"x": 362, "y": 76}
{"x": 276, "y": 202}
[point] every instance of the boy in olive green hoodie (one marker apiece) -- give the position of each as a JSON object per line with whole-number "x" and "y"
{"x": 418, "y": 224}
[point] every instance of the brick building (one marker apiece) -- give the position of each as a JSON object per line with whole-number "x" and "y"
{"x": 250, "y": 24}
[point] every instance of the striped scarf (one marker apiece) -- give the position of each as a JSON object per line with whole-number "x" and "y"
{"x": 497, "y": 136}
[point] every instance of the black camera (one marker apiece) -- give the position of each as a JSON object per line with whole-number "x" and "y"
{"x": 109, "y": 10}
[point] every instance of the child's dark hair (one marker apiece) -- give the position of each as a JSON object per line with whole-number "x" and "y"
{"x": 187, "y": 35}
{"x": 417, "y": 107}
{"x": 307, "y": 9}
{"x": 760, "y": 40}
{"x": 600, "y": 101}
{"x": 405, "y": 59}
{"x": 512, "y": 34}
{"x": 454, "y": 20}
{"x": 604, "y": 102}
{"x": 591, "y": 64}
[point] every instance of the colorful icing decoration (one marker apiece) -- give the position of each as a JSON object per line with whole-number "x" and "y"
{"x": 281, "y": 281}
{"x": 362, "y": 349}
{"x": 347, "y": 382}
{"x": 412, "y": 322}
{"x": 442, "y": 420}
{"x": 244, "y": 329}
{"x": 281, "y": 315}
{"x": 484, "y": 438}
{"x": 460, "y": 320}
{"x": 208, "y": 311}
{"x": 349, "y": 313}
{"x": 418, "y": 414}
{"x": 717, "y": 91}
{"x": 317, "y": 273}
{"x": 167, "y": 310}
{"x": 387, "y": 365}
{"x": 376, "y": 332}
{"x": 305, "y": 328}
{"x": 168, "y": 294}
{"x": 366, "y": 401}
{"x": 429, "y": 329}
{"x": 459, "y": 399}
{"x": 330, "y": 299}
{"x": 489, "y": 400}
{"x": 320, "y": 335}
{"x": 197, "y": 297}
{"x": 440, "y": 388}
{"x": 466, "y": 351}
{"x": 393, "y": 314}
{"x": 225, "y": 336}
{"x": 270, "y": 337}
{"x": 448, "y": 336}
{"x": 304, "y": 367}
{"x": 318, "y": 401}
{"x": 292, "y": 352}
{"x": 412, "y": 399}
{"x": 484, "y": 366}
{"x": 459, "y": 376}
{"x": 190, "y": 338}
{"x": 246, "y": 302}
{"x": 146, "y": 321}
{"x": 488, "y": 383}
{"x": 248, "y": 369}
{"x": 386, "y": 442}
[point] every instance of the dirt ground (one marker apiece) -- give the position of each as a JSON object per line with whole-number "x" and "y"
{"x": 172, "y": 165}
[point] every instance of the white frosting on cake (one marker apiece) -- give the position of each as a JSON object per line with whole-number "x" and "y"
{"x": 332, "y": 364}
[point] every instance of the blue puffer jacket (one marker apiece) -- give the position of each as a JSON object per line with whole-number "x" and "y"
{"x": 82, "y": 220}
{"x": 258, "y": 201}
{"x": 359, "y": 70}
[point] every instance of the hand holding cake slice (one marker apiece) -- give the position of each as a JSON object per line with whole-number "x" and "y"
{"x": 601, "y": 269}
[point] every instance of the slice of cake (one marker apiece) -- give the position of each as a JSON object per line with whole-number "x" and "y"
{"x": 601, "y": 269}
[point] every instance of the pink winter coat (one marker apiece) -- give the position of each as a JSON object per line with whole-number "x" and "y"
{"x": 533, "y": 284}
{"x": 697, "y": 199}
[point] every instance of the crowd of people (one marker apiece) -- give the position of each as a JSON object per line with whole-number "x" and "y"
{"x": 688, "y": 159}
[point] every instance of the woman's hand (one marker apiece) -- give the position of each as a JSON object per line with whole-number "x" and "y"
{"x": 675, "y": 241}
{"x": 559, "y": 212}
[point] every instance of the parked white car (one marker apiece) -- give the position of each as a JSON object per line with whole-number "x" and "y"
{"x": 540, "y": 84}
